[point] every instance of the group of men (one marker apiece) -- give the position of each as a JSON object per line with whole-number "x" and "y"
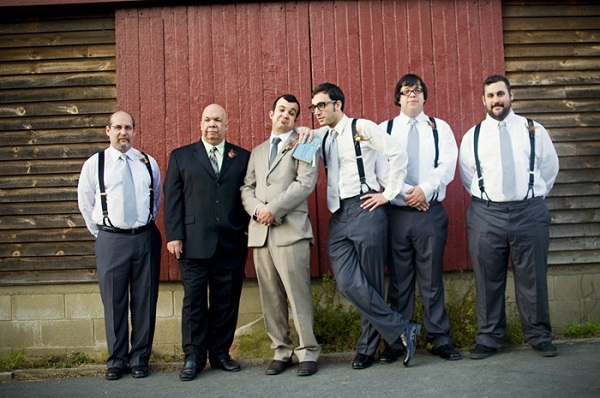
{"x": 385, "y": 185}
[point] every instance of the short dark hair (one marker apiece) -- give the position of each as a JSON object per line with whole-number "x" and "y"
{"x": 495, "y": 79}
{"x": 409, "y": 80}
{"x": 334, "y": 92}
{"x": 289, "y": 98}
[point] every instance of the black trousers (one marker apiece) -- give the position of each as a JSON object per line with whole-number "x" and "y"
{"x": 212, "y": 289}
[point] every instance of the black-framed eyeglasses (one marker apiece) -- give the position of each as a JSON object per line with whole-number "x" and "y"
{"x": 321, "y": 105}
{"x": 118, "y": 127}
{"x": 407, "y": 91}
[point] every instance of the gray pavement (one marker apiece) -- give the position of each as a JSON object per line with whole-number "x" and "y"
{"x": 513, "y": 372}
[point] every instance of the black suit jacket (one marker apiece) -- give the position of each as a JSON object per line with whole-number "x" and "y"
{"x": 202, "y": 209}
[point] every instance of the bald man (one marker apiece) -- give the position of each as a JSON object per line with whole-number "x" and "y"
{"x": 206, "y": 227}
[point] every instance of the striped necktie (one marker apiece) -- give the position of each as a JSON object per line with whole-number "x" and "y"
{"x": 213, "y": 160}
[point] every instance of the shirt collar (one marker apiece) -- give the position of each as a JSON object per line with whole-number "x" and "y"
{"x": 132, "y": 153}
{"x": 220, "y": 146}
{"x": 404, "y": 119}
{"x": 341, "y": 124}
{"x": 284, "y": 137}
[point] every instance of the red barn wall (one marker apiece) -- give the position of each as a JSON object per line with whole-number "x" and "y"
{"x": 173, "y": 61}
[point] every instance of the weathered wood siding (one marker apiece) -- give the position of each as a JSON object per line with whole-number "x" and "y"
{"x": 552, "y": 53}
{"x": 57, "y": 88}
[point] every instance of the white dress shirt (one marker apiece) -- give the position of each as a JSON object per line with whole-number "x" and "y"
{"x": 218, "y": 154}
{"x": 432, "y": 180}
{"x": 284, "y": 137}
{"x": 88, "y": 189}
{"x": 375, "y": 141}
{"x": 546, "y": 159}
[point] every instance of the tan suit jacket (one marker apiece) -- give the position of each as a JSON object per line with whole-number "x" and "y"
{"x": 284, "y": 188}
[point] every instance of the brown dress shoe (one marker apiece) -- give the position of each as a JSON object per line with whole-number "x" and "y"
{"x": 276, "y": 367}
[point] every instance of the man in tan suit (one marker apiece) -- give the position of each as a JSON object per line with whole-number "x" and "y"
{"x": 275, "y": 193}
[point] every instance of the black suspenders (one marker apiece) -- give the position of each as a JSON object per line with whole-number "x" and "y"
{"x": 359, "y": 159}
{"x": 103, "y": 188}
{"x": 531, "y": 129}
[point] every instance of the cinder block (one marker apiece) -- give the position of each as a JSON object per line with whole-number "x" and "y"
{"x": 67, "y": 333}
{"x": 165, "y": 304}
{"x": 590, "y": 310}
{"x": 5, "y": 308}
{"x": 99, "y": 332}
{"x": 569, "y": 287}
{"x": 563, "y": 312}
{"x": 168, "y": 331}
{"x": 83, "y": 306}
{"x": 19, "y": 334}
{"x": 38, "y": 307}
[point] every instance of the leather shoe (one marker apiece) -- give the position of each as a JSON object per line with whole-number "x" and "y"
{"x": 189, "y": 371}
{"x": 546, "y": 349}
{"x": 307, "y": 368}
{"x": 139, "y": 372}
{"x": 389, "y": 355}
{"x": 362, "y": 361}
{"x": 446, "y": 352}
{"x": 113, "y": 373}
{"x": 409, "y": 341}
{"x": 226, "y": 364}
{"x": 276, "y": 367}
{"x": 481, "y": 351}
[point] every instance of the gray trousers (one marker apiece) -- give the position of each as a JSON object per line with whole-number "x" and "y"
{"x": 417, "y": 240}
{"x": 519, "y": 231}
{"x": 357, "y": 249}
{"x": 128, "y": 272}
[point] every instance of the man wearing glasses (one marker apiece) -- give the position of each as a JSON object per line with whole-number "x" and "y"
{"x": 119, "y": 196}
{"x": 358, "y": 226}
{"x": 417, "y": 220}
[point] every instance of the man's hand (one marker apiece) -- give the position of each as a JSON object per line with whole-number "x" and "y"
{"x": 264, "y": 216}
{"x": 175, "y": 247}
{"x": 416, "y": 198}
{"x": 373, "y": 201}
{"x": 305, "y": 134}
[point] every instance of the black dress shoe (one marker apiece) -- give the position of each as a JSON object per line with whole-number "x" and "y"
{"x": 390, "y": 355}
{"x": 276, "y": 367}
{"x": 307, "y": 368}
{"x": 446, "y": 352}
{"x": 362, "y": 361}
{"x": 226, "y": 364}
{"x": 409, "y": 341}
{"x": 113, "y": 373}
{"x": 139, "y": 372}
{"x": 481, "y": 351}
{"x": 546, "y": 349}
{"x": 189, "y": 371}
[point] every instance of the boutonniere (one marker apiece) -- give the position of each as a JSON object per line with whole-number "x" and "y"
{"x": 359, "y": 137}
{"x": 531, "y": 128}
{"x": 144, "y": 160}
{"x": 432, "y": 125}
{"x": 231, "y": 154}
{"x": 289, "y": 145}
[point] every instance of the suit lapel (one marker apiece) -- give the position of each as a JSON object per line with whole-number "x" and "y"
{"x": 202, "y": 157}
{"x": 288, "y": 146}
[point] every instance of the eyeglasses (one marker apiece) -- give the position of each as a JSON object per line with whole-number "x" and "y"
{"x": 321, "y": 105}
{"x": 118, "y": 127}
{"x": 407, "y": 91}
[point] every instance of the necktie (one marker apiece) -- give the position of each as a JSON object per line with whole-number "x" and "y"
{"x": 213, "y": 159}
{"x": 333, "y": 172}
{"x": 274, "y": 144}
{"x": 412, "y": 149}
{"x": 508, "y": 163}
{"x": 129, "y": 204}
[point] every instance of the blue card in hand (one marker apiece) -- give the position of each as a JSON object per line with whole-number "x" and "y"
{"x": 306, "y": 151}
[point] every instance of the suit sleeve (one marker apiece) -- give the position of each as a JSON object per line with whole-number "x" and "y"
{"x": 248, "y": 190}
{"x": 298, "y": 191}
{"x": 174, "y": 204}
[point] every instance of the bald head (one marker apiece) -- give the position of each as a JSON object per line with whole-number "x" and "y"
{"x": 214, "y": 124}
{"x": 120, "y": 130}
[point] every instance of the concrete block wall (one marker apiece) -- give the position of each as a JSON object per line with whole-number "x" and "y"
{"x": 69, "y": 318}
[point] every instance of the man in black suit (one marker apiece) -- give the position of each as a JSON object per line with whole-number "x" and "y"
{"x": 206, "y": 228}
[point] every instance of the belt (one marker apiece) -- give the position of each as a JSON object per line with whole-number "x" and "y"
{"x": 133, "y": 231}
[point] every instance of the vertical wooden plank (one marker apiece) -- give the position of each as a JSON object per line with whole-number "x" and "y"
{"x": 127, "y": 55}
